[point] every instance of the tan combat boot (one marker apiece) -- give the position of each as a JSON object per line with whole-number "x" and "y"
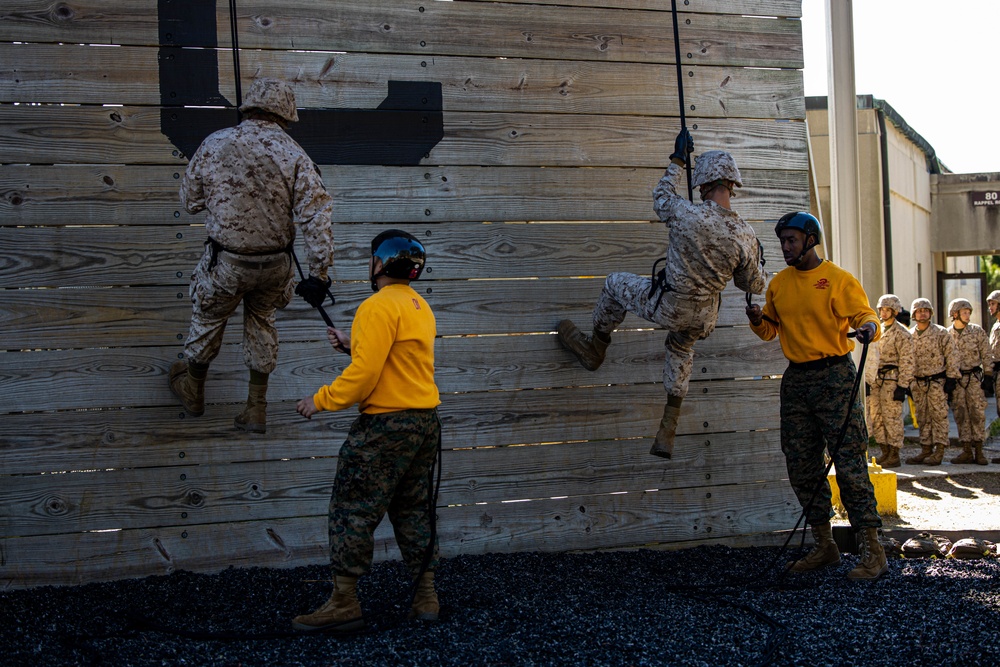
{"x": 663, "y": 444}
{"x": 589, "y": 350}
{"x": 341, "y": 613}
{"x": 873, "y": 564}
{"x": 884, "y": 451}
{"x": 935, "y": 458}
{"x": 254, "y": 415}
{"x": 425, "y": 602}
{"x": 189, "y": 389}
{"x": 966, "y": 455}
{"x": 824, "y": 552}
{"x": 925, "y": 451}
{"x": 891, "y": 459}
{"x": 980, "y": 458}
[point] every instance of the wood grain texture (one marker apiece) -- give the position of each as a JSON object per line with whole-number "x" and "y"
{"x": 148, "y": 195}
{"x": 140, "y": 316}
{"x": 38, "y": 442}
{"x": 90, "y": 135}
{"x": 436, "y": 28}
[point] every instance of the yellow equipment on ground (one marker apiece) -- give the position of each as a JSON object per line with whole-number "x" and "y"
{"x": 884, "y": 482}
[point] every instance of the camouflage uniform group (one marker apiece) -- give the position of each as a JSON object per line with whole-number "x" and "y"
{"x": 888, "y": 375}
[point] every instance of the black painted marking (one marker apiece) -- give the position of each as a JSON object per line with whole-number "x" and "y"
{"x": 401, "y": 131}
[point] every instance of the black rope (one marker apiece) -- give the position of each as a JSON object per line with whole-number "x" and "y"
{"x": 680, "y": 93}
{"x": 236, "y": 59}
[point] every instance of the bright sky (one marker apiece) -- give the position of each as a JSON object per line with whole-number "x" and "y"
{"x": 933, "y": 62}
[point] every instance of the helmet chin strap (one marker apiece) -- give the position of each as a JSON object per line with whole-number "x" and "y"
{"x": 805, "y": 251}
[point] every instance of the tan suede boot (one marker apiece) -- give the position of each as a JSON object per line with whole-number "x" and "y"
{"x": 873, "y": 564}
{"x": 341, "y": 613}
{"x": 190, "y": 390}
{"x": 935, "y": 458}
{"x": 825, "y": 552}
{"x": 980, "y": 458}
{"x": 966, "y": 455}
{"x": 663, "y": 444}
{"x": 589, "y": 350}
{"x": 891, "y": 459}
{"x": 254, "y": 415}
{"x": 425, "y": 602}
{"x": 925, "y": 451}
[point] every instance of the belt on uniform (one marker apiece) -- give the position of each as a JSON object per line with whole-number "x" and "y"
{"x": 930, "y": 378}
{"x": 819, "y": 364}
{"x": 252, "y": 263}
{"x": 888, "y": 368}
{"x": 972, "y": 371}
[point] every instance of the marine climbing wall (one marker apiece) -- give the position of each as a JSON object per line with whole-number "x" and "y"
{"x": 519, "y": 140}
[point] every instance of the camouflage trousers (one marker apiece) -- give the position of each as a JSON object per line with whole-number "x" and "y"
{"x": 885, "y": 414}
{"x": 216, "y": 292}
{"x": 384, "y": 466}
{"x": 813, "y": 408}
{"x": 968, "y": 403}
{"x": 931, "y": 405}
{"x": 687, "y": 320}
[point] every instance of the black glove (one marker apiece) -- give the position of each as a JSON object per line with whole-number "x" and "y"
{"x": 683, "y": 146}
{"x": 864, "y": 334}
{"x": 949, "y": 386}
{"x": 987, "y": 385}
{"x": 313, "y": 290}
{"x": 868, "y": 389}
{"x": 899, "y": 393}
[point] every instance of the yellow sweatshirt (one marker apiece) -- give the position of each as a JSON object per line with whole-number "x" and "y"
{"x": 392, "y": 356}
{"x": 811, "y": 311}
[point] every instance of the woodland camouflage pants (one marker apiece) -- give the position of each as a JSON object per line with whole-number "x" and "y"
{"x": 384, "y": 467}
{"x": 814, "y": 405}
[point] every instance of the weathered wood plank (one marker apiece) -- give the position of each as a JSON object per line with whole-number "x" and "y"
{"x": 127, "y": 75}
{"x": 684, "y": 517}
{"x": 258, "y": 490}
{"x": 137, "y": 376}
{"x": 147, "y": 256}
{"x": 786, "y": 8}
{"x": 90, "y": 135}
{"x": 439, "y": 28}
{"x": 110, "y": 195}
{"x": 98, "y": 439}
{"x": 141, "y": 316}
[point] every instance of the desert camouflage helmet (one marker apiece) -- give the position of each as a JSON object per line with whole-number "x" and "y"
{"x": 921, "y": 303}
{"x": 273, "y": 96}
{"x": 715, "y": 165}
{"x": 957, "y": 305}
{"x": 994, "y": 296}
{"x": 890, "y": 301}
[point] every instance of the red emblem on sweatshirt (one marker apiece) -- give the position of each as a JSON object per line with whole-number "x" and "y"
{"x": 822, "y": 283}
{"x": 416, "y": 304}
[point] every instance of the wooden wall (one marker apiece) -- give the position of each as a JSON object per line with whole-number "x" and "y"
{"x": 558, "y": 118}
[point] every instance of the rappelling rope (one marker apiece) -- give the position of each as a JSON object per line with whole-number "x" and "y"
{"x": 680, "y": 93}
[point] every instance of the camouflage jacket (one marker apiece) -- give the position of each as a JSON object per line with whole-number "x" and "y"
{"x": 894, "y": 348}
{"x": 257, "y": 183}
{"x": 934, "y": 352}
{"x": 973, "y": 347}
{"x": 709, "y": 244}
{"x": 995, "y": 342}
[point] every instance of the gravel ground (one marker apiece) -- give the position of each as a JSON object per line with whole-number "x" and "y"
{"x": 611, "y": 608}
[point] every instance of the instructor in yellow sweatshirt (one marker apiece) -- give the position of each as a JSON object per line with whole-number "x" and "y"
{"x": 386, "y": 465}
{"x": 810, "y": 305}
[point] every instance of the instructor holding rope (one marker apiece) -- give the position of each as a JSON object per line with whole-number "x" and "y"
{"x": 809, "y": 306}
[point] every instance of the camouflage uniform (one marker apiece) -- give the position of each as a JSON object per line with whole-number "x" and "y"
{"x": 935, "y": 358}
{"x": 812, "y": 414}
{"x": 995, "y": 355}
{"x": 709, "y": 246}
{"x": 256, "y": 183}
{"x": 384, "y": 467}
{"x": 968, "y": 401}
{"x": 892, "y": 367}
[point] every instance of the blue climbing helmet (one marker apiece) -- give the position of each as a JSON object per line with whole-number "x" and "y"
{"x": 802, "y": 221}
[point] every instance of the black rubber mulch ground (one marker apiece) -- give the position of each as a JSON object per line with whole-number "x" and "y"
{"x": 614, "y": 608}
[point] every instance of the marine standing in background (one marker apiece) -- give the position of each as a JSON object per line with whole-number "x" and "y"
{"x": 935, "y": 374}
{"x": 968, "y": 400}
{"x": 888, "y": 380}
{"x": 256, "y": 183}
{"x": 710, "y": 244}
{"x": 809, "y": 306}
{"x": 993, "y": 303}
